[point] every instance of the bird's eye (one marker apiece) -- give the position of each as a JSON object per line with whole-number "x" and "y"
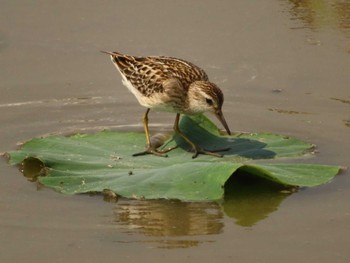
{"x": 209, "y": 102}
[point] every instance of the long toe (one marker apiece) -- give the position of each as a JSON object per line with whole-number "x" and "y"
{"x": 198, "y": 151}
{"x": 195, "y": 154}
{"x": 151, "y": 150}
{"x": 167, "y": 150}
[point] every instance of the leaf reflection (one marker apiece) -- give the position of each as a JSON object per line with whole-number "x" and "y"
{"x": 176, "y": 224}
{"x": 250, "y": 199}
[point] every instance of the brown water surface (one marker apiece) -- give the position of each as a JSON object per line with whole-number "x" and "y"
{"x": 284, "y": 67}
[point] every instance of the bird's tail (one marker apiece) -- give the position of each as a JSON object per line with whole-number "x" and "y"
{"x": 115, "y": 56}
{"x": 119, "y": 59}
{"x": 114, "y": 53}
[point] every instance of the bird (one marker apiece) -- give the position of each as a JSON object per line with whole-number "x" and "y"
{"x": 170, "y": 84}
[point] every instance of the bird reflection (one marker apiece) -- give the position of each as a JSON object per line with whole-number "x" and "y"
{"x": 173, "y": 222}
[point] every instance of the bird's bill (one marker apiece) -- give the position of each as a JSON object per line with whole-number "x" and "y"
{"x": 221, "y": 118}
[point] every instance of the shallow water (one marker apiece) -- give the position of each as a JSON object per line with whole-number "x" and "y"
{"x": 284, "y": 68}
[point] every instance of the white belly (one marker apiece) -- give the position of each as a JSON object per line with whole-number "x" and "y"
{"x": 155, "y": 102}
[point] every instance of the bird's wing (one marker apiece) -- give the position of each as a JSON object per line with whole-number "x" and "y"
{"x": 185, "y": 71}
{"x": 147, "y": 74}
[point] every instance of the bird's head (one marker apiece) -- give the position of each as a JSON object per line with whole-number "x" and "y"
{"x": 206, "y": 96}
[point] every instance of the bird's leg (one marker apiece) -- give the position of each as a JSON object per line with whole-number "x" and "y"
{"x": 145, "y": 126}
{"x": 150, "y": 148}
{"x": 195, "y": 148}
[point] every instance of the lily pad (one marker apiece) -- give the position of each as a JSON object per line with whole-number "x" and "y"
{"x": 95, "y": 162}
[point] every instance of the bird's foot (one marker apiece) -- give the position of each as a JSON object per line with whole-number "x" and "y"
{"x": 155, "y": 151}
{"x": 197, "y": 150}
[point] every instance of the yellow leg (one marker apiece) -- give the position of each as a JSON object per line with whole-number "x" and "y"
{"x": 195, "y": 148}
{"x": 150, "y": 148}
{"x": 145, "y": 126}
{"x": 179, "y": 132}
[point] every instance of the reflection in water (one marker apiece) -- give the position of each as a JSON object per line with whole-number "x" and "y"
{"x": 323, "y": 14}
{"x": 173, "y": 222}
{"x": 170, "y": 218}
{"x": 177, "y": 224}
{"x": 249, "y": 199}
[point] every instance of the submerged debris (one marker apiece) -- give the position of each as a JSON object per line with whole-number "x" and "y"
{"x": 290, "y": 190}
{"x": 277, "y": 90}
{"x": 341, "y": 100}
{"x": 288, "y": 111}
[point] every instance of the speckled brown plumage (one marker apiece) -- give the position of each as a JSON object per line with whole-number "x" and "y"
{"x": 148, "y": 73}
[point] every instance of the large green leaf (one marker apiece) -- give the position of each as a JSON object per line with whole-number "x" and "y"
{"x": 95, "y": 162}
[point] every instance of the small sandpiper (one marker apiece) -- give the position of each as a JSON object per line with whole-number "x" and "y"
{"x": 170, "y": 84}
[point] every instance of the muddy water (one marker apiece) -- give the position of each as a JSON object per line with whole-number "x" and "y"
{"x": 284, "y": 67}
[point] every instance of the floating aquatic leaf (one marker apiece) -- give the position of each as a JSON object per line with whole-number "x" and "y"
{"x": 103, "y": 161}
